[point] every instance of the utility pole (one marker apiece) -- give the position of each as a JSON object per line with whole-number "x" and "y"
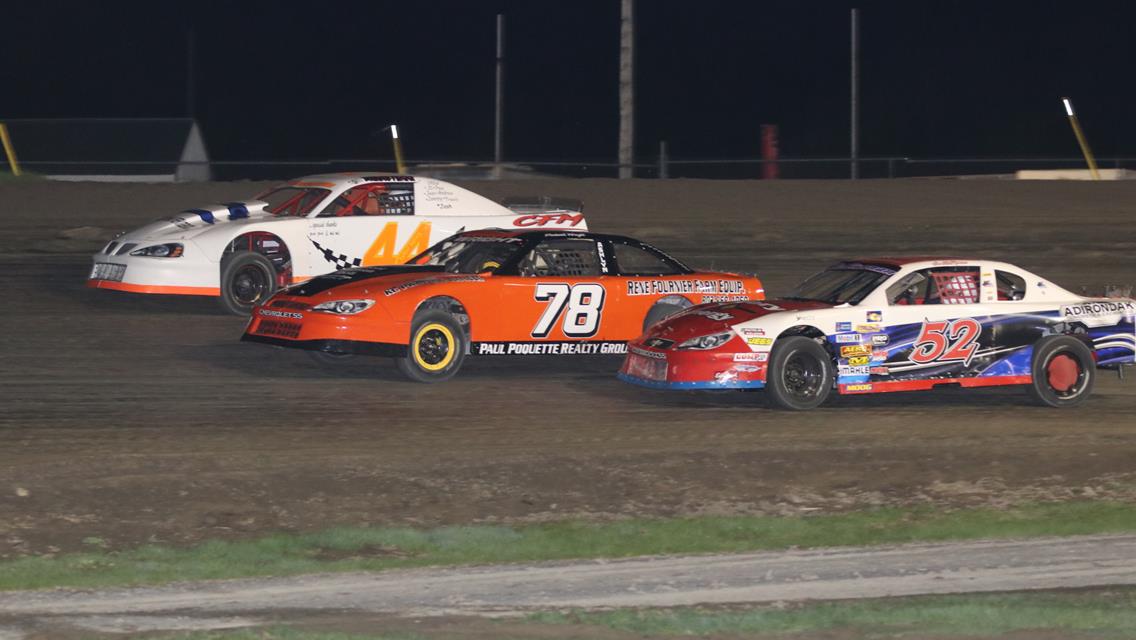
{"x": 499, "y": 108}
{"x": 189, "y": 74}
{"x": 855, "y": 97}
{"x": 626, "y": 90}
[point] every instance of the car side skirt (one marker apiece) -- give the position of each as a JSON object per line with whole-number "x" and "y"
{"x": 153, "y": 288}
{"x": 357, "y": 347}
{"x": 924, "y": 385}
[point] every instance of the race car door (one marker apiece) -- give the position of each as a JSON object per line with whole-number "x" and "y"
{"x": 558, "y": 296}
{"x": 933, "y": 323}
{"x": 370, "y": 224}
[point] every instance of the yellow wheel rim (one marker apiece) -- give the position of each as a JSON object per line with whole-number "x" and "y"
{"x": 433, "y": 346}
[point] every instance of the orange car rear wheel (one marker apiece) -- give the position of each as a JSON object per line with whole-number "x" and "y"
{"x": 437, "y": 348}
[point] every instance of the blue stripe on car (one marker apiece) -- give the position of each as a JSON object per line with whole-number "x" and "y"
{"x": 237, "y": 210}
{"x": 205, "y": 215}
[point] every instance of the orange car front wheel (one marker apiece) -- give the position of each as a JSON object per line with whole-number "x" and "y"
{"x": 437, "y": 348}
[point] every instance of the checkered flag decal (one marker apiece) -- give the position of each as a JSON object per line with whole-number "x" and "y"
{"x": 338, "y": 259}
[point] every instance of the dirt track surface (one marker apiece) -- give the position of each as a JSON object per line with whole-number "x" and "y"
{"x": 823, "y": 574}
{"x": 129, "y": 419}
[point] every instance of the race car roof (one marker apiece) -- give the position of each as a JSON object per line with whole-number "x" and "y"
{"x": 430, "y": 196}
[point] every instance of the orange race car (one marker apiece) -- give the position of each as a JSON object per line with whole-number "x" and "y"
{"x": 492, "y": 293}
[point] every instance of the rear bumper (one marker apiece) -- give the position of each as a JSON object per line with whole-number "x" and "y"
{"x": 355, "y": 347}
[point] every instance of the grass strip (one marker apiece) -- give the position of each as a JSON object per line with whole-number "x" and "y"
{"x": 1104, "y": 614}
{"x": 373, "y": 549}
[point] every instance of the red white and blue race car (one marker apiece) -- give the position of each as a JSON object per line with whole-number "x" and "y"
{"x": 887, "y": 324}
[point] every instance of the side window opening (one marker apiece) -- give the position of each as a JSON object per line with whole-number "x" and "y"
{"x": 944, "y": 285}
{"x": 374, "y": 199}
{"x": 561, "y": 257}
{"x": 1011, "y": 286}
{"x": 637, "y": 261}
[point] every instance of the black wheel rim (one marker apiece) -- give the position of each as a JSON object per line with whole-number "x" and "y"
{"x": 433, "y": 346}
{"x": 803, "y": 376}
{"x": 250, "y": 283}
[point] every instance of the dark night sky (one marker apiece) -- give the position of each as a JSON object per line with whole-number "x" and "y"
{"x": 276, "y": 81}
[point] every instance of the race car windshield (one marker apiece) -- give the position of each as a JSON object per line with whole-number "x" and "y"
{"x": 292, "y": 201}
{"x": 840, "y": 285}
{"x": 469, "y": 255}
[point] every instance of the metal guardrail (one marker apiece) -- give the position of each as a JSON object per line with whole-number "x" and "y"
{"x": 704, "y": 168}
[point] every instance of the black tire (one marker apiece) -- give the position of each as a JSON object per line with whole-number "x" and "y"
{"x": 1062, "y": 370}
{"x": 800, "y": 374}
{"x": 659, "y": 312}
{"x": 437, "y": 348}
{"x": 247, "y": 279}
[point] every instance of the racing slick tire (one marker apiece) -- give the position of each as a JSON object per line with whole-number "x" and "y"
{"x": 800, "y": 374}
{"x": 437, "y": 348}
{"x": 247, "y": 279}
{"x": 1062, "y": 370}
{"x": 660, "y": 312}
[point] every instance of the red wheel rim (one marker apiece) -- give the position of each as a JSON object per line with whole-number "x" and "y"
{"x": 1062, "y": 372}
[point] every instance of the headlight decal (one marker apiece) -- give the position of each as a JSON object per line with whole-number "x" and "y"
{"x": 711, "y": 341}
{"x": 344, "y": 307}
{"x": 168, "y": 250}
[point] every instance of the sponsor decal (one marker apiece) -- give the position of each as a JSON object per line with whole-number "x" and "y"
{"x": 425, "y": 281}
{"x": 550, "y": 348}
{"x": 843, "y": 326}
{"x": 663, "y": 287}
{"x": 281, "y": 314}
{"x": 857, "y": 388}
{"x": 545, "y": 219}
{"x": 658, "y": 343}
{"x": 854, "y": 371}
{"x": 1097, "y": 309}
{"x": 724, "y": 298}
{"x": 867, "y": 328}
{"x": 751, "y": 357}
{"x": 751, "y": 331}
{"x": 947, "y": 263}
{"x": 856, "y": 361}
{"x": 759, "y": 342}
{"x": 880, "y": 371}
{"x": 879, "y": 354}
{"x": 602, "y": 256}
{"x": 855, "y": 350}
{"x": 880, "y": 339}
{"x": 874, "y": 316}
{"x": 723, "y": 377}
{"x": 719, "y": 316}
{"x": 647, "y": 354}
{"x": 846, "y": 338}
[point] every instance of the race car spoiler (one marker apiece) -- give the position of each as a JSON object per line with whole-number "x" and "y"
{"x": 543, "y": 204}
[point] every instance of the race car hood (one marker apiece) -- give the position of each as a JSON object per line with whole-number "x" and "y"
{"x": 706, "y": 319}
{"x": 390, "y": 280}
{"x": 192, "y": 222}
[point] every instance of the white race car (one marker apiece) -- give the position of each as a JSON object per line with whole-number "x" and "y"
{"x": 244, "y": 251}
{"x": 894, "y": 324}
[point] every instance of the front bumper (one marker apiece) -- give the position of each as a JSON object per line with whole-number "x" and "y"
{"x": 674, "y": 369}
{"x": 287, "y": 321}
{"x": 355, "y": 347}
{"x": 190, "y": 274}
